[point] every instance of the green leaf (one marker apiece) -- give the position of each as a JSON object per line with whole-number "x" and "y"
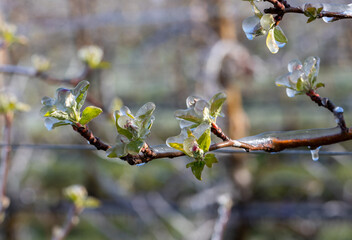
{"x": 177, "y": 146}
{"x": 205, "y": 140}
{"x": 279, "y": 35}
{"x": 197, "y": 168}
{"x": 120, "y": 130}
{"x": 319, "y": 85}
{"x": 311, "y": 19}
{"x": 188, "y": 115}
{"x": 80, "y": 92}
{"x": 300, "y": 84}
{"x": 216, "y": 104}
{"x": 210, "y": 159}
{"x": 89, "y": 113}
{"x": 145, "y": 111}
{"x": 271, "y": 43}
{"x": 134, "y": 147}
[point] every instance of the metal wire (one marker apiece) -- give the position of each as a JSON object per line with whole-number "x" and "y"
{"x": 220, "y": 151}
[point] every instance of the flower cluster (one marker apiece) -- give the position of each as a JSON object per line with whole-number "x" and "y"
{"x": 301, "y": 78}
{"x": 195, "y": 137}
{"x": 132, "y": 130}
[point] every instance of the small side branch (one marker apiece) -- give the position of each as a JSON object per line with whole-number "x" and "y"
{"x": 71, "y": 220}
{"x": 326, "y": 103}
{"x": 218, "y": 132}
{"x": 88, "y": 135}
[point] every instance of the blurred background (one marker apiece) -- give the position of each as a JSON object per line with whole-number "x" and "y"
{"x": 163, "y": 51}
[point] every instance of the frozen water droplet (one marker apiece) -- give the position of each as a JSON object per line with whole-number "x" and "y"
{"x": 328, "y": 19}
{"x": 140, "y": 164}
{"x": 280, "y": 44}
{"x": 250, "y": 36}
{"x": 290, "y": 92}
{"x": 251, "y": 26}
{"x": 294, "y": 65}
{"x": 338, "y": 110}
{"x": 315, "y": 153}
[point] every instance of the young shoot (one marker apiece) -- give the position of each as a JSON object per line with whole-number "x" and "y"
{"x": 65, "y": 107}
{"x": 301, "y": 78}
{"x": 132, "y": 130}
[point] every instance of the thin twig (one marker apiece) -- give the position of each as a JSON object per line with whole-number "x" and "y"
{"x": 327, "y": 103}
{"x": 5, "y": 161}
{"x": 71, "y": 221}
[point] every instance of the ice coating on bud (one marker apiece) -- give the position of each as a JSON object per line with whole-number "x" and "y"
{"x": 294, "y": 65}
{"x": 315, "y": 153}
{"x": 191, "y": 101}
{"x": 267, "y": 21}
{"x": 252, "y": 27}
{"x": 311, "y": 64}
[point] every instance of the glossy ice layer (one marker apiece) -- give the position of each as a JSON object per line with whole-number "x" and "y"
{"x": 306, "y": 134}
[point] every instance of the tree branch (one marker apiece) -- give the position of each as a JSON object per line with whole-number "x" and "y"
{"x": 268, "y": 141}
{"x": 282, "y": 7}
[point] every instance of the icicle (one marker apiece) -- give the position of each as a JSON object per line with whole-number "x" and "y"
{"x": 315, "y": 153}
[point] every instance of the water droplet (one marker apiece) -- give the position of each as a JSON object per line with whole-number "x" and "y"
{"x": 338, "y": 110}
{"x": 251, "y": 26}
{"x": 290, "y": 92}
{"x": 315, "y": 153}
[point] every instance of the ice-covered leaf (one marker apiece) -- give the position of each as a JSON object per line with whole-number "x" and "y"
{"x": 300, "y": 84}
{"x": 294, "y": 65}
{"x": 92, "y": 55}
{"x": 51, "y": 123}
{"x": 216, "y": 103}
{"x": 188, "y": 115}
{"x": 252, "y": 28}
{"x": 291, "y": 92}
{"x": 271, "y": 42}
{"x": 89, "y": 113}
{"x": 177, "y": 146}
{"x": 80, "y": 93}
{"x": 135, "y": 146}
{"x": 145, "y": 111}
{"x": 280, "y": 35}
{"x": 197, "y": 168}
{"x": 210, "y": 159}
{"x": 204, "y": 140}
